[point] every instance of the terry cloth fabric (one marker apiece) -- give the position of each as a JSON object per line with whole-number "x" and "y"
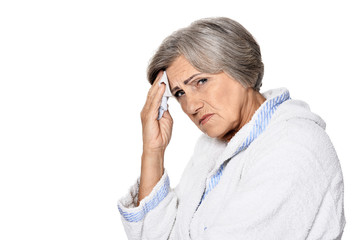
{"x": 279, "y": 177}
{"x": 263, "y": 116}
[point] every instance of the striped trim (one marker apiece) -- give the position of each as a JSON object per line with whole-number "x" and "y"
{"x": 261, "y": 122}
{"x": 213, "y": 182}
{"x": 263, "y": 118}
{"x": 149, "y": 205}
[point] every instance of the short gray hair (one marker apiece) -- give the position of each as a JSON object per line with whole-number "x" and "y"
{"x": 213, "y": 45}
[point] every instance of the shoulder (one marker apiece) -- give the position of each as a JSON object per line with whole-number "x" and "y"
{"x": 296, "y": 130}
{"x": 296, "y": 149}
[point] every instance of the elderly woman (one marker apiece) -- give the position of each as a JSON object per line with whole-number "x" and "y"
{"x": 264, "y": 167}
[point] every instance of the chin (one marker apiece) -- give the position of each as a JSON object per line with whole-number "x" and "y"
{"x": 213, "y": 133}
{"x": 224, "y": 136}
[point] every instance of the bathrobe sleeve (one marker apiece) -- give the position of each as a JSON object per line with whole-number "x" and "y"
{"x": 155, "y": 215}
{"x": 283, "y": 194}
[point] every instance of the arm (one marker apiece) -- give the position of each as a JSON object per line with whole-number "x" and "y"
{"x": 149, "y": 209}
{"x": 154, "y": 216}
{"x": 151, "y": 172}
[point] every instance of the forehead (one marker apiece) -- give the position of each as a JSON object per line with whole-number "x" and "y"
{"x": 179, "y": 71}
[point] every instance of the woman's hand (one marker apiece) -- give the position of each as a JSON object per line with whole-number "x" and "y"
{"x": 156, "y": 136}
{"x": 156, "y": 133}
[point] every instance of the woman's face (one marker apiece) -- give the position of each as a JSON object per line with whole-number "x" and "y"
{"x": 202, "y": 93}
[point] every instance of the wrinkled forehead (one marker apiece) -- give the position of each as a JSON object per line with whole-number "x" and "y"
{"x": 180, "y": 71}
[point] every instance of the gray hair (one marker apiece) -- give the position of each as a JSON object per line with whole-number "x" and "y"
{"x": 213, "y": 45}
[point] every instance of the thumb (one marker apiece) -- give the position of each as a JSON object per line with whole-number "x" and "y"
{"x": 167, "y": 114}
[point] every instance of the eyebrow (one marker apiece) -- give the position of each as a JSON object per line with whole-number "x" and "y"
{"x": 185, "y": 82}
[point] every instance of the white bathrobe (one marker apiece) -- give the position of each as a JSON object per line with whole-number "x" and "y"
{"x": 277, "y": 178}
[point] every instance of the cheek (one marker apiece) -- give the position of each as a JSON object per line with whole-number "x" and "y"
{"x": 183, "y": 106}
{"x": 221, "y": 99}
{"x": 230, "y": 106}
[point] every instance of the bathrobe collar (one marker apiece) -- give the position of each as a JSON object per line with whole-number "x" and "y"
{"x": 250, "y": 131}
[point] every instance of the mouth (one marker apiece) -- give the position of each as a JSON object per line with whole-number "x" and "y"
{"x": 205, "y": 118}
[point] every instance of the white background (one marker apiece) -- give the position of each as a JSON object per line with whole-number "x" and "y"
{"x": 73, "y": 83}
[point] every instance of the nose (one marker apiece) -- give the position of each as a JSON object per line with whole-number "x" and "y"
{"x": 193, "y": 104}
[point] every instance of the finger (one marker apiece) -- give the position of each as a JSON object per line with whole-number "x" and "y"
{"x": 155, "y": 84}
{"x": 155, "y": 103}
{"x": 154, "y": 90}
{"x": 151, "y": 107}
{"x": 167, "y": 113}
{"x": 167, "y": 118}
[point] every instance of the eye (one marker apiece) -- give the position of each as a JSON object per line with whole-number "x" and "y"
{"x": 203, "y": 80}
{"x": 176, "y": 94}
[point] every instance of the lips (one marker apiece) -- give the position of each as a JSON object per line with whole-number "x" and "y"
{"x": 205, "y": 117}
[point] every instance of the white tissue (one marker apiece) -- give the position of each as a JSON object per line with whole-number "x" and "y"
{"x": 163, "y": 106}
